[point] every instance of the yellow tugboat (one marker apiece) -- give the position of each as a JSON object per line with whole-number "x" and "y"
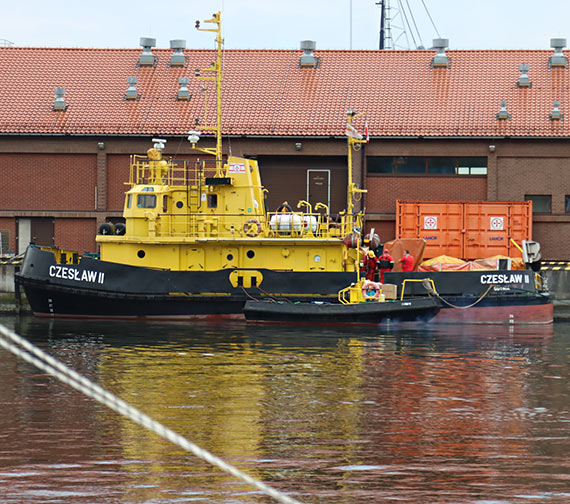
{"x": 199, "y": 241}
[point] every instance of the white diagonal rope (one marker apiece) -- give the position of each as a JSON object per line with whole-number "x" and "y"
{"x": 12, "y": 342}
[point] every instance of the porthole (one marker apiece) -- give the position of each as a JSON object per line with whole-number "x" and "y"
{"x": 141, "y": 253}
{"x": 317, "y": 258}
{"x": 179, "y": 204}
{"x": 230, "y": 257}
{"x": 250, "y": 254}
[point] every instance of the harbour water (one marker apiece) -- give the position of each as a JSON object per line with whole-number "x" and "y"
{"x": 421, "y": 414}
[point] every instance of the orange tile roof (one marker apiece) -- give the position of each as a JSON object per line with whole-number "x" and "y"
{"x": 266, "y": 93}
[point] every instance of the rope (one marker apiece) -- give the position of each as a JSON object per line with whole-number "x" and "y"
{"x": 458, "y": 307}
{"x": 273, "y": 298}
{"x": 10, "y": 341}
{"x": 248, "y": 294}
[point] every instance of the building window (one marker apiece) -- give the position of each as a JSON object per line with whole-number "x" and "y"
{"x": 420, "y": 165}
{"x": 541, "y": 203}
{"x": 567, "y": 203}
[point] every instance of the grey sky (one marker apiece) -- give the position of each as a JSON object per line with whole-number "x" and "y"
{"x": 479, "y": 24}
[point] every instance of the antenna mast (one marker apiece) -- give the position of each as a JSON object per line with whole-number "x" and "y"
{"x": 382, "y": 4}
{"x": 216, "y": 67}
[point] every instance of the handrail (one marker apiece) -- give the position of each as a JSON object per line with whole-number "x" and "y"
{"x": 417, "y": 280}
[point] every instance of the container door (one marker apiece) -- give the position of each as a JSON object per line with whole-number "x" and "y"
{"x": 319, "y": 187}
{"x": 439, "y": 223}
{"x": 489, "y": 226}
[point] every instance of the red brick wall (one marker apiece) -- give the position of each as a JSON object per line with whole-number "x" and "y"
{"x": 527, "y": 175}
{"x": 48, "y": 181}
{"x": 117, "y": 175}
{"x": 384, "y": 191}
{"x": 76, "y": 234}
{"x": 385, "y": 229}
{"x": 9, "y": 224}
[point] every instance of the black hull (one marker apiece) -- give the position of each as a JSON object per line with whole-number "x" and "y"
{"x": 483, "y": 297}
{"x": 101, "y": 289}
{"x": 410, "y": 310}
{"x": 96, "y": 288}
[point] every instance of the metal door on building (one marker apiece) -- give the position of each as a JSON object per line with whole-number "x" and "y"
{"x": 36, "y": 230}
{"x": 319, "y": 187}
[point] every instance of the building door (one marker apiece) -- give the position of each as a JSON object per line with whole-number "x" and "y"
{"x": 36, "y": 230}
{"x": 319, "y": 187}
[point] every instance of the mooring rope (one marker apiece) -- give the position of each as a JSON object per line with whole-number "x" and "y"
{"x": 431, "y": 292}
{"x": 12, "y": 342}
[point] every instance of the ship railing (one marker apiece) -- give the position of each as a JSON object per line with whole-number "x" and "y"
{"x": 180, "y": 172}
{"x": 272, "y": 225}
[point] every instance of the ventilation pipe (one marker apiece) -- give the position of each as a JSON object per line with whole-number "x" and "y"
{"x": 556, "y": 115}
{"x": 132, "y": 93}
{"x": 440, "y": 59}
{"x": 183, "y": 93}
{"x": 59, "y": 102}
{"x": 558, "y": 59}
{"x": 308, "y": 58}
{"x": 503, "y": 115}
{"x": 177, "y": 58}
{"x": 524, "y": 80}
{"x": 147, "y": 58}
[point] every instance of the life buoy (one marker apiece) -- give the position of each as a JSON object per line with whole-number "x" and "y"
{"x": 252, "y": 228}
{"x": 371, "y": 290}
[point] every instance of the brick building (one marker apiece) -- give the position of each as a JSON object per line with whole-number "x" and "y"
{"x": 443, "y": 125}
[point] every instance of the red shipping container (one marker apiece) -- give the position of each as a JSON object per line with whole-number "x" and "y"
{"x": 466, "y": 229}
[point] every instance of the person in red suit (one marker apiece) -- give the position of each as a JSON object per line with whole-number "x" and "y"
{"x": 407, "y": 261}
{"x": 370, "y": 265}
{"x": 386, "y": 263}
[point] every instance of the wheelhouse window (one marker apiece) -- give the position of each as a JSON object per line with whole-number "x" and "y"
{"x": 146, "y": 201}
{"x": 212, "y": 201}
{"x": 541, "y": 203}
{"x": 420, "y": 165}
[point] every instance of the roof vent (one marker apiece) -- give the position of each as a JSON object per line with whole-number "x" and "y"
{"x": 177, "y": 58}
{"x": 183, "y": 93}
{"x": 132, "y": 93}
{"x": 503, "y": 115}
{"x": 558, "y": 59}
{"x": 524, "y": 80}
{"x": 556, "y": 115}
{"x": 147, "y": 58}
{"x": 308, "y": 59}
{"x": 59, "y": 102}
{"x": 440, "y": 59}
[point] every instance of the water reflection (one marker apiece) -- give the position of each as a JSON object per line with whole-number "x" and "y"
{"x": 415, "y": 414}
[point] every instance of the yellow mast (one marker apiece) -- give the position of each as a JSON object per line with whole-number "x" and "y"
{"x": 354, "y": 138}
{"x": 216, "y": 67}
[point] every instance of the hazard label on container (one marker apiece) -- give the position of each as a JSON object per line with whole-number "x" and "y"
{"x": 236, "y": 168}
{"x": 496, "y": 223}
{"x": 430, "y": 222}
